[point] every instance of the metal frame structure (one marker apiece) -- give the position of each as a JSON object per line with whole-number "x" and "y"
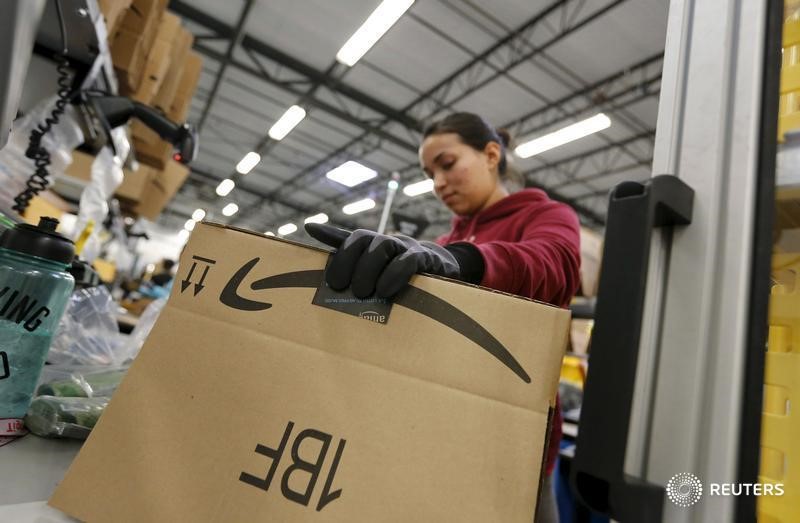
{"x": 382, "y": 124}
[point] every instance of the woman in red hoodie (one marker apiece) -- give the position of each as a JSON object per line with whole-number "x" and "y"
{"x": 522, "y": 243}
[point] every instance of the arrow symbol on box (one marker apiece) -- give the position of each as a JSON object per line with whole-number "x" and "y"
{"x": 198, "y": 286}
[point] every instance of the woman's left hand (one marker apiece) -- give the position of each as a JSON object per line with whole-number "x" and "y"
{"x": 369, "y": 262}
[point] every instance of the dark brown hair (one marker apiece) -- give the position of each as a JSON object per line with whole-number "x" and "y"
{"x": 475, "y": 132}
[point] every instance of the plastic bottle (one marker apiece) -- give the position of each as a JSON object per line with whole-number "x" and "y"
{"x": 34, "y": 290}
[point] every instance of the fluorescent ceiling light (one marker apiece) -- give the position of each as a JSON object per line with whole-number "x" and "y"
{"x": 247, "y": 163}
{"x": 293, "y": 116}
{"x": 269, "y": 233}
{"x": 183, "y": 235}
{"x": 230, "y": 209}
{"x": 198, "y": 215}
{"x": 317, "y": 218}
{"x": 351, "y": 174}
{"x": 564, "y": 135}
{"x": 288, "y": 228}
{"x": 225, "y": 187}
{"x": 381, "y": 19}
{"x": 415, "y": 189}
{"x": 359, "y": 206}
{"x": 189, "y": 225}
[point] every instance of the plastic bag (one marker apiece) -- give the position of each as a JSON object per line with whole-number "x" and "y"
{"x": 79, "y": 381}
{"x": 16, "y": 168}
{"x": 49, "y": 416}
{"x": 146, "y": 322}
{"x": 93, "y": 207}
{"x": 88, "y": 333}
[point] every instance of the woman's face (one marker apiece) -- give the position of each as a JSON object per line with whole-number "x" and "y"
{"x": 464, "y": 179}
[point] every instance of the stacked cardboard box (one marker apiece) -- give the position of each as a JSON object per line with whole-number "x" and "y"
{"x": 155, "y": 66}
{"x": 112, "y": 13}
{"x": 132, "y": 41}
{"x": 158, "y": 61}
{"x": 143, "y": 192}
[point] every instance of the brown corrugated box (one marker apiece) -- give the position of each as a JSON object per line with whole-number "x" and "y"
{"x": 179, "y": 52}
{"x": 161, "y": 188}
{"x": 129, "y": 57}
{"x": 134, "y": 183}
{"x": 591, "y": 257}
{"x": 179, "y": 108}
{"x": 250, "y": 403}
{"x": 155, "y": 70}
{"x": 142, "y": 18}
{"x": 113, "y": 11}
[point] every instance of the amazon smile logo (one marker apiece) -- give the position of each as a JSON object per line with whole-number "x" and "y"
{"x": 411, "y": 298}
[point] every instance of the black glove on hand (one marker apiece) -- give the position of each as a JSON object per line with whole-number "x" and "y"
{"x": 369, "y": 262}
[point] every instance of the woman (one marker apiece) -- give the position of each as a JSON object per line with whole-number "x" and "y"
{"x": 522, "y": 243}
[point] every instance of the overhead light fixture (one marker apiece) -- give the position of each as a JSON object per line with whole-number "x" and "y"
{"x": 225, "y": 187}
{"x": 189, "y": 225}
{"x": 380, "y": 21}
{"x": 359, "y": 206}
{"x": 198, "y": 215}
{"x": 247, "y": 163}
{"x": 230, "y": 209}
{"x": 415, "y": 189}
{"x": 183, "y": 235}
{"x": 288, "y": 228}
{"x": 269, "y": 233}
{"x": 564, "y": 135}
{"x": 293, "y": 116}
{"x": 393, "y": 185}
{"x": 351, "y": 173}
{"x": 317, "y": 218}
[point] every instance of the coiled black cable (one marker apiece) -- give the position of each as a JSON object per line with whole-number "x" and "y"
{"x": 39, "y": 181}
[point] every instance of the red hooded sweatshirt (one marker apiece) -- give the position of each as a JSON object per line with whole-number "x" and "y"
{"x": 531, "y": 247}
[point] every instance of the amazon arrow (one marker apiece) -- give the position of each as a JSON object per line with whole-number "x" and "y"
{"x": 412, "y": 298}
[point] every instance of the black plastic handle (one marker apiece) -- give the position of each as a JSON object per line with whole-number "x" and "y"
{"x": 598, "y": 475}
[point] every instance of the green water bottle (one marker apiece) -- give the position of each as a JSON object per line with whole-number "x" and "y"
{"x": 34, "y": 290}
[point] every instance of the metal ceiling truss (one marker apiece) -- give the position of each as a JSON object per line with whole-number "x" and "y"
{"x": 545, "y": 29}
{"x": 634, "y": 83}
{"x": 252, "y": 192}
{"x": 467, "y": 77}
{"x": 235, "y": 40}
{"x": 554, "y": 23}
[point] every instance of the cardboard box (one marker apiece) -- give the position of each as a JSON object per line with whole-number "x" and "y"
{"x": 46, "y": 203}
{"x": 179, "y": 108}
{"x": 150, "y": 149}
{"x": 155, "y": 71}
{"x": 181, "y": 46}
{"x": 135, "y": 183}
{"x": 129, "y": 58}
{"x": 156, "y": 155}
{"x": 81, "y": 166}
{"x": 113, "y": 11}
{"x": 591, "y": 256}
{"x": 250, "y": 403}
{"x": 169, "y": 29}
{"x": 142, "y": 19}
{"x": 580, "y": 335}
{"x": 161, "y": 188}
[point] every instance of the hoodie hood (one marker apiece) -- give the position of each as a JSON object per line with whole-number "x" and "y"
{"x": 462, "y": 226}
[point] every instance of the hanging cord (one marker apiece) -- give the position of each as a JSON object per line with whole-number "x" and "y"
{"x": 38, "y": 181}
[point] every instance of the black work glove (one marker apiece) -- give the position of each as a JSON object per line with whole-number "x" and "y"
{"x": 369, "y": 262}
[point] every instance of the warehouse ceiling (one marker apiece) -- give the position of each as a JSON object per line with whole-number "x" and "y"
{"x": 529, "y": 66}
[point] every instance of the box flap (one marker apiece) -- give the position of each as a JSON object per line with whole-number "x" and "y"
{"x": 490, "y": 344}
